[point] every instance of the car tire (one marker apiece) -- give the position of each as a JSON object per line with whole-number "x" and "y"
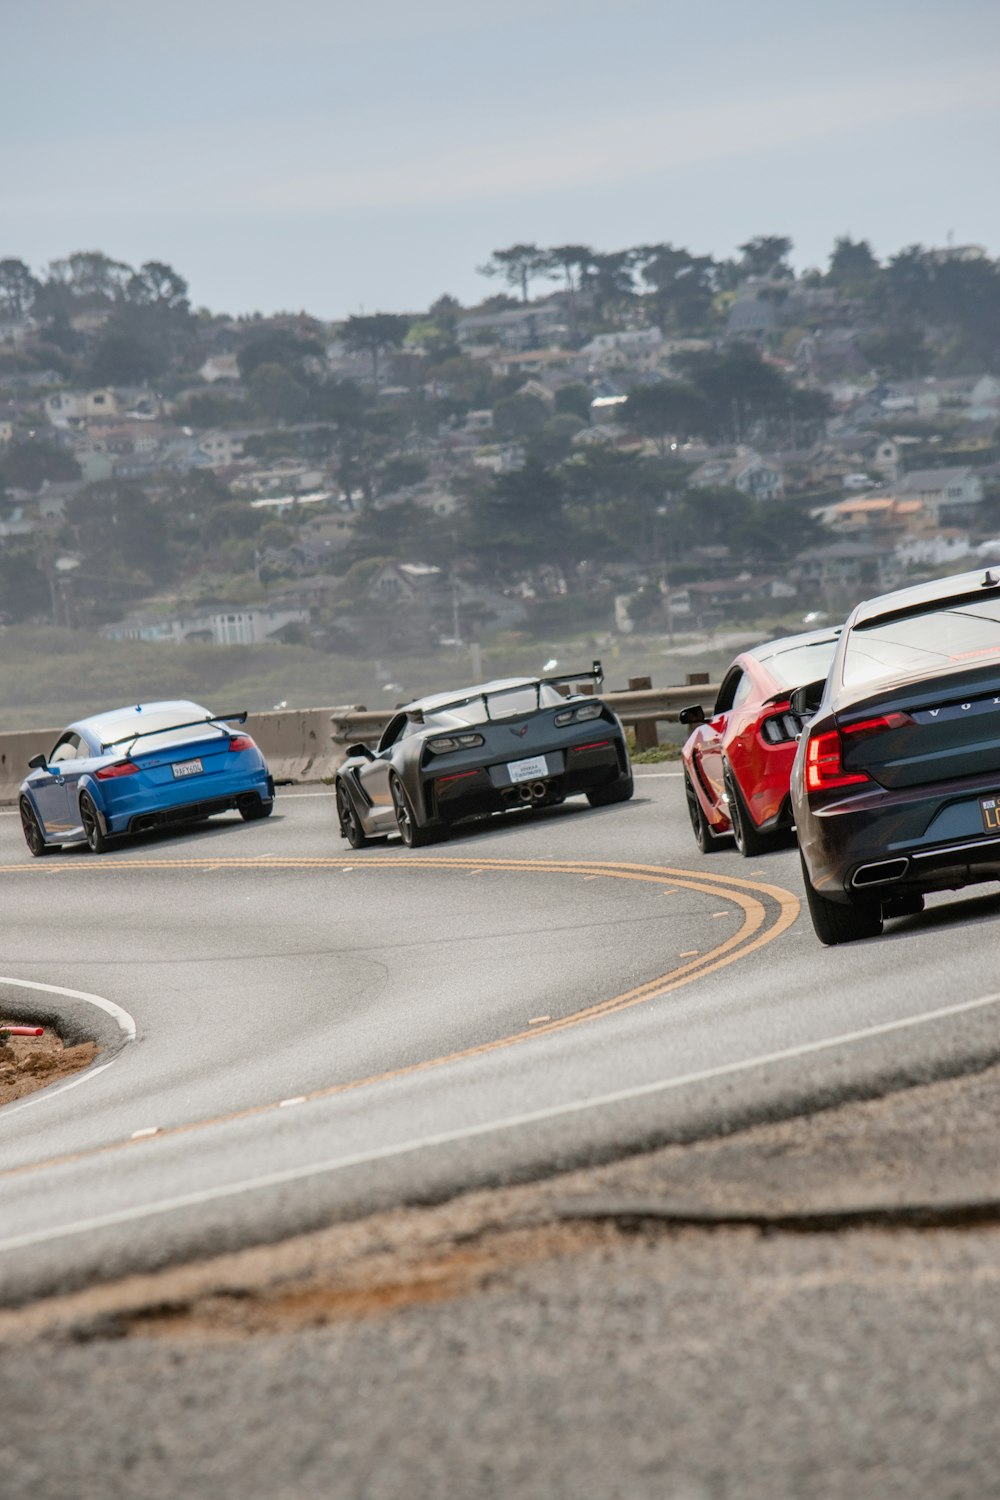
{"x": 610, "y": 793}
{"x": 706, "y": 840}
{"x": 833, "y": 922}
{"x": 414, "y": 836}
{"x": 97, "y": 841}
{"x": 32, "y": 830}
{"x": 252, "y": 812}
{"x": 350, "y": 823}
{"x": 747, "y": 837}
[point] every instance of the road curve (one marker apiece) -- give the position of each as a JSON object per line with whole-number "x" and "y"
{"x": 321, "y": 1031}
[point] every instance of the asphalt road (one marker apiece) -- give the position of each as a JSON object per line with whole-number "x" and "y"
{"x": 320, "y": 1032}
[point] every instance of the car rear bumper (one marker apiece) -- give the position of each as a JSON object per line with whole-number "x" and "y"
{"x": 884, "y": 844}
{"x": 176, "y": 804}
{"x": 491, "y": 788}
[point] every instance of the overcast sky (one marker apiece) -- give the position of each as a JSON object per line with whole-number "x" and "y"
{"x": 369, "y": 156}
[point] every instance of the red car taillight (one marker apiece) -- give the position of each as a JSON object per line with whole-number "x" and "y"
{"x": 242, "y": 742}
{"x": 120, "y": 768}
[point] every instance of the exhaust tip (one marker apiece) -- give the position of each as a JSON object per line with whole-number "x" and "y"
{"x": 881, "y": 872}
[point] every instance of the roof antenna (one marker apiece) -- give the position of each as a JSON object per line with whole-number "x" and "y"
{"x": 988, "y": 581}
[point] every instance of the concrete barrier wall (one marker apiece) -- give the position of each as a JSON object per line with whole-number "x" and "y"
{"x": 308, "y": 744}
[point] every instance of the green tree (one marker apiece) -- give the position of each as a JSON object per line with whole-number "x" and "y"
{"x": 766, "y": 255}
{"x": 518, "y": 415}
{"x": 518, "y": 265}
{"x": 18, "y": 288}
{"x": 375, "y": 335}
{"x": 28, "y": 464}
{"x": 682, "y": 285}
{"x": 669, "y": 410}
{"x": 853, "y": 268}
{"x": 276, "y": 394}
{"x": 279, "y": 346}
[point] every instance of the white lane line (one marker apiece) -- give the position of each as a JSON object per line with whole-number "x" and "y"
{"x": 125, "y": 1022}
{"x": 491, "y": 1127}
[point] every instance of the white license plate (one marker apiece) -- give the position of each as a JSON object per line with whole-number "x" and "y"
{"x": 527, "y": 770}
{"x": 187, "y": 768}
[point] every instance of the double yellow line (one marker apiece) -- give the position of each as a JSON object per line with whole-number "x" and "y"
{"x": 767, "y": 912}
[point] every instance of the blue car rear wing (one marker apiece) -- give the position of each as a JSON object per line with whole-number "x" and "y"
{"x": 141, "y": 734}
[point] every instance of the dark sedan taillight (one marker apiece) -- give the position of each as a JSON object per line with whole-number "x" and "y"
{"x": 825, "y": 766}
{"x": 120, "y": 768}
{"x": 825, "y": 770}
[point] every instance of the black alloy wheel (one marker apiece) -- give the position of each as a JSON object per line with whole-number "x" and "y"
{"x": 703, "y": 835}
{"x": 350, "y": 823}
{"x": 748, "y": 839}
{"x": 410, "y": 831}
{"x": 97, "y": 842}
{"x": 615, "y": 791}
{"x": 32, "y": 829}
{"x": 833, "y": 922}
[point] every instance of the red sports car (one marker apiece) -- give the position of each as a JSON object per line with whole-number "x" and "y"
{"x": 737, "y": 763}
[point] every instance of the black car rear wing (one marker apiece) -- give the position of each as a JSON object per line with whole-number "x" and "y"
{"x": 142, "y": 734}
{"x": 595, "y": 673}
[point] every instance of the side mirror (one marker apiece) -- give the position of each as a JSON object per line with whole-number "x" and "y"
{"x": 806, "y": 700}
{"x": 38, "y": 763}
{"x": 695, "y": 714}
{"x": 360, "y": 750}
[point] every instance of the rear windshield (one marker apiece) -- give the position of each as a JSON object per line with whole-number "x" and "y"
{"x": 800, "y": 665}
{"x": 165, "y": 719}
{"x": 935, "y": 638}
{"x": 508, "y": 703}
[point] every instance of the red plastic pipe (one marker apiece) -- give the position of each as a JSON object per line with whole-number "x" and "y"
{"x": 22, "y": 1030}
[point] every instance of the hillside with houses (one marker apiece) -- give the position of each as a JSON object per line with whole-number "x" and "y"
{"x": 647, "y": 440}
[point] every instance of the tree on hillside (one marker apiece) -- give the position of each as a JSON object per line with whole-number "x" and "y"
{"x": 158, "y": 285}
{"x": 518, "y": 266}
{"x": 27, "y": 465}
{"x": 608, "y": 279}
{"x": 682, "y": 285}
{"x": 276, "y": 394}
{"x": 279, "y": 346}
{"x": 853, "y": 268}
{"x": 570, "y": 262}
{"x": 18, "y": 288}
{"x": 766, "y": 255}
{"x": 91, "y": 276}
{"x": 375, "y": 335}
{"x": 667, "y": 410}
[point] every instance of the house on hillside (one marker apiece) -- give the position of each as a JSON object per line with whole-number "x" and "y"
{"x": 946, "y": 493}
{"x": 515, "y": 329}
{"x": 225, "y": 626}
{"x": 745, "y": 471}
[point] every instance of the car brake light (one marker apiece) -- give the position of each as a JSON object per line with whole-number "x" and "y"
{"x": 594, "y": 745}
{"x": 120, "y": 768}
{"x": 878, "y": 725}
{"x": 824, "y": 766}
{"x": 242, "y": 742}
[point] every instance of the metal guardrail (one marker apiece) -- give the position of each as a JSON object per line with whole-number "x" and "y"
{"x": 635, "y": 707}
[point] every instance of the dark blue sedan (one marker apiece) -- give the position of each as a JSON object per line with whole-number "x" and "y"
{"x": 133, "y": 769}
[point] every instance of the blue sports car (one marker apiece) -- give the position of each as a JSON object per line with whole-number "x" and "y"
{"x": 133, "y": 769}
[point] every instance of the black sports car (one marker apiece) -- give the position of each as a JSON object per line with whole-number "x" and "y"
{"x": 896, "y": 782}
{"x": 519, "y": 742}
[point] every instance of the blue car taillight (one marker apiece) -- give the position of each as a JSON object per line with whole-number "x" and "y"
{"x": 120, "y": 768}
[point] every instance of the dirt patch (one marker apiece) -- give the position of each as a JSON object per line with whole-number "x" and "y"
{"x": 28, "y": 1063}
